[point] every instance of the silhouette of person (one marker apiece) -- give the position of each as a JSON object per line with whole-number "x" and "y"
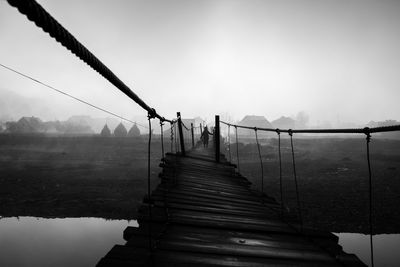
{"x": 205, "y": 136}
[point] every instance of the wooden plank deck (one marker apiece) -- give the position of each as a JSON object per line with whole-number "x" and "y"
{"x": 203, "y": 213}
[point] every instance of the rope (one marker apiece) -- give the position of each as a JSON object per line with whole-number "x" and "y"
{"x": 295, "y": 181}
{"x": 229, "y": 144}
{"x": 149, "y": 185}
{"x": 71, "y": 96}
{"x": 162, "y": 141}
{"x": 368, "y": 138}
{"x": 176, "y": 137}
{"x": 280, "y": 169}
{"x": 351, "y": 130}
{"x": 185, "y": 126}
{"x": 262, "y": 167}
{"x": 44, "y": 20}
{"x": 237, "y": 150}
{"x": 172, "y": 136}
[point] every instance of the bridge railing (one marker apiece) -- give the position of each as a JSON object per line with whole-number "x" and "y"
{"x": 365, "y": 131}
{"x": 37, "y": 14}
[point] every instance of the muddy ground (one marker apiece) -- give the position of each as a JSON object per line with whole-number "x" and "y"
{"x": 106, "y": 177}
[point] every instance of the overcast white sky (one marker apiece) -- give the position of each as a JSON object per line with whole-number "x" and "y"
{"x": 335, "y": 60}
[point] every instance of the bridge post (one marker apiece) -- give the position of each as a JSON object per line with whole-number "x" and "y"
{"x": 192, "y": 130}
{"x": 201, "y": 130}
{"x": 178, "y": 114}
{"x": 216, "y": 138}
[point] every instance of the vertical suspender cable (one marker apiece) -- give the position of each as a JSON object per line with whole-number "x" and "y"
{"x": 262, "y": 167}
{"x": 229, "y": 143}
{"x": 172, "y": 137}
{"x": 149, "y": 186}
{"x": 295, "y": 179}
{"x": 162, "y": 140}
{"x": 368, "y": 134}
{"x": 237, "y": 150}
{"x": 176, "y": 142}
{"x": 280, "y": 169}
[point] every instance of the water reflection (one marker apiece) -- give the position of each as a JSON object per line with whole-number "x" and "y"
{"x": 29, "y": 241}
{"x": 386, "y": 248}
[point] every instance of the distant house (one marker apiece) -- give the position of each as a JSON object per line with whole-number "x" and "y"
{"x": 284, "y": 123}
{"x": 253, "y": 121}
{"x": 26, "y": 125}
{"x": 120, "y": 131}
{"x": 134, "y": 131}
{"x": 105, "y": 132}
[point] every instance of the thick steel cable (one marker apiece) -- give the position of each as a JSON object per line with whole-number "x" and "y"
{"x": 237, "y": 150}
{"x": 295, "y": 181}
{"x": 368, "y": 134}
{"x": 280, "y": 169}
{"x": 229, "y": 143}
{"x": 70, "y": 96}
{"x": 261, "y": 162}
{"x": 149, "y": 186}
{"x": 44, "y": 20}
{"x": 162, "y": 140}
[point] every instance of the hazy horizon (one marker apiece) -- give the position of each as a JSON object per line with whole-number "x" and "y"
{"x": 336, "y": 61}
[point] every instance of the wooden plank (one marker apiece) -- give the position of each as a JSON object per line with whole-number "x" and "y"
{"x": 129, "y": 256}
{"x": 205, "y": 214}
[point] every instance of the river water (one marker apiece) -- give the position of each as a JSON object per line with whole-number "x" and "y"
{"x": 386, "y": 248}
{"x": 30, "y": 241}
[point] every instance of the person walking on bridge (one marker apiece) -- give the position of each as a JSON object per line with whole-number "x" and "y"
{"x": 205, "y": 136}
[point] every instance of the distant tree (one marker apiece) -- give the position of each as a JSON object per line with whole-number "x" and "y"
{"x": 120, "y": 131}
{"x": 284, "y": 123}
{"x": 106, "y": 131}
{"x": 25, "y": 125}
{"x": 71, "y": 128}
{"x": 302, "y": 119}
{"x": 134, "y": 131}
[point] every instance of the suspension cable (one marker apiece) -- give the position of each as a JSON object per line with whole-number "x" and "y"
{"x": 176, "y": 139}
{"x": 368, "y": 139}
{"x": 229, "y": 143}
{"x": 149, "y": 184}
{"x": 172, "y": 136}
{"x": 36, "y": 13}
{"x": 162, "y": 140}
{"x": 261, "y": 162}
{"x": 280, "y": 170}
{"x": 295, "y": 181}
{"x": 379, "y": 129}
{"x": 237, "y": 150}
{"x": 70, "y": 96}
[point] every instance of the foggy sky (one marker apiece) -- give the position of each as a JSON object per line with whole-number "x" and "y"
{"x": 335, "y": 60}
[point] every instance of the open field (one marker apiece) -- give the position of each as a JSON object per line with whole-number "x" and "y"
{"x": 106, "y": 177}
{"x": 333, "y": 180}
{"x": 74, "y": 176}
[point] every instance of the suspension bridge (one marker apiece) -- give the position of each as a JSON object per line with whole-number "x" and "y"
{"x": 204, "y": 212}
